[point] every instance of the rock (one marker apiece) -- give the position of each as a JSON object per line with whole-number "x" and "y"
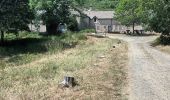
{"x": 102, "y": 57}
{"x": 119, "y": 42}
{"x": 96, "y": 65}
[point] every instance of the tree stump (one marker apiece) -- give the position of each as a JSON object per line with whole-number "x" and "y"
{"x": 69, "y": 81}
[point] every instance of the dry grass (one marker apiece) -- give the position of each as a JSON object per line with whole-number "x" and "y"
{"x": 98, "y": 78}
{"x": 164, "y": 48}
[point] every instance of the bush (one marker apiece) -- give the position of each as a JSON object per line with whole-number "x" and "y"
{"x": 162, "y": 40}
{"x": 165, "y": 39}
{"x": 73, "y": 25}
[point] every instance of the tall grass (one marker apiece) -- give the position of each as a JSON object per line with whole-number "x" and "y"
{"x": 30, "y": 46}
{"x": 38, "y": 78}
{"x": 32, "y": 67}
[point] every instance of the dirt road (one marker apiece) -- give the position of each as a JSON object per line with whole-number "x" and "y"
{"x": 149, "y": 71}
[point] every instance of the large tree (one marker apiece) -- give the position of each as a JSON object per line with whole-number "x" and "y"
{"x": 14, "y": 15}
{"x": 157, "y": 13}
{"x": 127, "y": 12}
{"x": 53, "y": 12}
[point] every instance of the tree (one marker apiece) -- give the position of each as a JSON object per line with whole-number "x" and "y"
{"x": 158, "y": 15}
{"x": 97, "y": 4}
{"x": 127, "y": 12}
{"x": 14, "y": 15}
{"x": 53, "y": 13}
{"x": 79, "y": 3}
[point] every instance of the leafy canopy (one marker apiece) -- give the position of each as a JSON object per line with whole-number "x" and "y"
{"x": 157, "y": 13}
{"x": 15, "y": 14}
{"x": 52, "y": 12}
{"x": 127, "y": 12}
{"x": 97, "y": 4}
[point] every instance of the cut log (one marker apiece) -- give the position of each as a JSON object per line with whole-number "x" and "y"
{"x": 69, "y": 81}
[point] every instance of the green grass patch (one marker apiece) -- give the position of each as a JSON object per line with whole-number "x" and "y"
{"x": 30, "y": 46}
{"x": 88, "y": 31}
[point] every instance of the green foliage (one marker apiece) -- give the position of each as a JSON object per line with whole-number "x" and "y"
{"x": 97, "y": 4}
{"x": 15, "y": 15}
{"x": 35, "y": 46}
{"x": 88, "y": 31}
{"x": 127, "y": 12}
{"x": 155, "y": 14}
{"x": 72, "y": 25}
{"x": 52, "y": 12}
{"x": 158, "y": 15}
{"x": 165, "y": 40}
{"x": 162, "y": 40}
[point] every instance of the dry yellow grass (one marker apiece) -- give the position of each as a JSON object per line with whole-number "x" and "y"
{"x": 164, "y": 48}
{"x": 103, "y": 78}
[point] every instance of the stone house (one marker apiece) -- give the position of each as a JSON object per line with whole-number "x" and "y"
{"x": 102, "y": 21}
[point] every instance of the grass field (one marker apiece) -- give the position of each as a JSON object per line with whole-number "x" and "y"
{"x": 100, "y": 69}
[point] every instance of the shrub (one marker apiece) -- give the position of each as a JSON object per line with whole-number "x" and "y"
{"x": 73, "y": 25}
{"x": 165, "y": 39}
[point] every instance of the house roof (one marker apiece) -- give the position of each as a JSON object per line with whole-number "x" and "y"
{"x": 100, "y": 14}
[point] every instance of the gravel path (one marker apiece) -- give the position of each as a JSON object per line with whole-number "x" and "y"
{"x": 149, "y": 69}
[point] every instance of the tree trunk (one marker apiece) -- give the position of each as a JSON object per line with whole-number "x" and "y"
{"x": 52, "y": 28}
{"x": 2, "y": 37}
{"x": 133, "y": 28}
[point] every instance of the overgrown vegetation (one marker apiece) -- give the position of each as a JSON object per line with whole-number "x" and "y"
{"x": 30, "y": 46}
{"x": 39, "y": 78}
{"x": 162, "y": 40}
